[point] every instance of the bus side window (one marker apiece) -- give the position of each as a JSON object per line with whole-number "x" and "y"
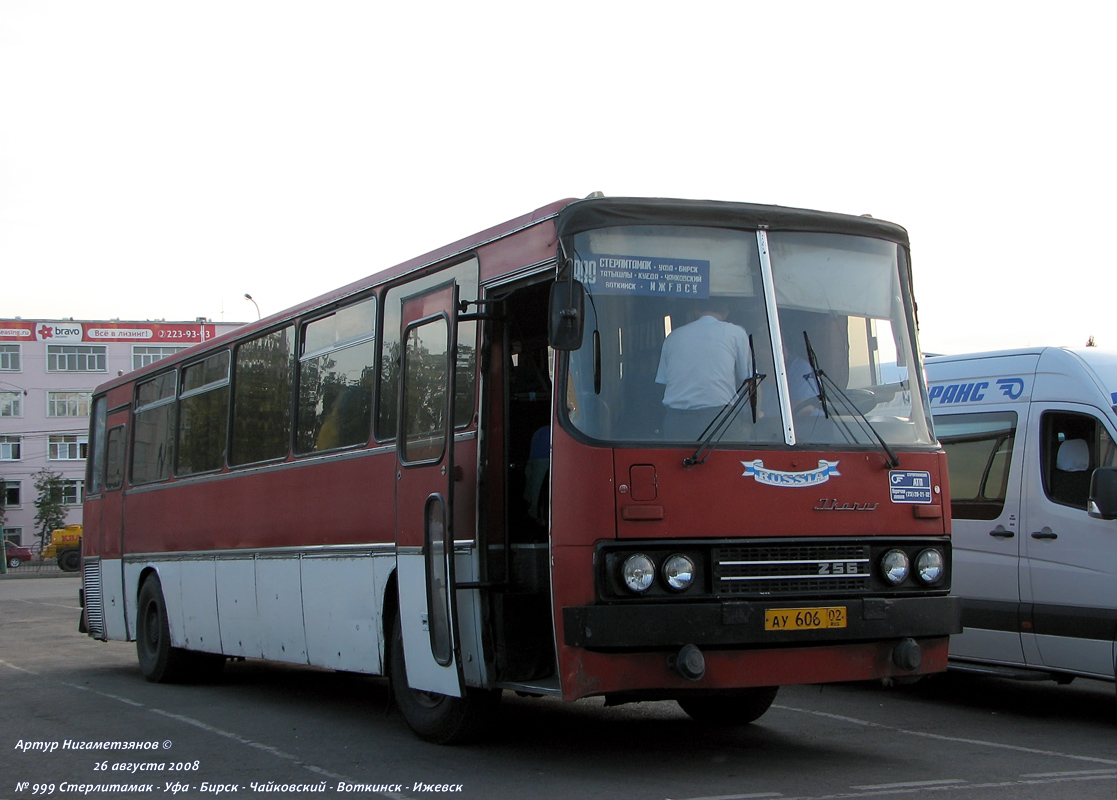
{"x": 114, "y": 459}
{"x": 154, "y": 429}
{"x": 336, "y": 367}
{"x": 99, "y": 416}
{"x": 203, "y": 416}
{"x": 262, "y": 380}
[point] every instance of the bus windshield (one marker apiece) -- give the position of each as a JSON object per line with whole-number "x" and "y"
{"x": 791, "y": 337}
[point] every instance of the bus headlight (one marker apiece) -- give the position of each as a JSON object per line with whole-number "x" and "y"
{"x": 894, "y": 567}
{"x": 638, "y": 573}
{"x": 678, "y": 572}
{"x": 929, "y": 566}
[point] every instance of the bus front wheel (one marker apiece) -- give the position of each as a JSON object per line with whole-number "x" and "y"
{"x": 739, "y": 708}
{"x": 434, "y": 717}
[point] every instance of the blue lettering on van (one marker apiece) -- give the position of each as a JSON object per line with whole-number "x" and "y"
{"x": 1011, "y": 388}
{"x": 959, "y": 393}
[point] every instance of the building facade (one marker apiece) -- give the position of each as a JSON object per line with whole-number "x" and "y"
{"x": 48, "y": 371}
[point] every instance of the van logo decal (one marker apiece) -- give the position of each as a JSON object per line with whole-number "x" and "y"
{"x": 944, "y": 394}
{"x": 774, "y": 477}
{"x": 1011, "y": 388}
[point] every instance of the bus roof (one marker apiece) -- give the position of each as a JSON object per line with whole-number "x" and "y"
{"x": 593, "y": 211}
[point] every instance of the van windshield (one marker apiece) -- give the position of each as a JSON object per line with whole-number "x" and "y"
{"x": 805, "y": 337}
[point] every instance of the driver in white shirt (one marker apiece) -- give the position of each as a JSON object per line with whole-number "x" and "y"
{"x": 702, "y": 365}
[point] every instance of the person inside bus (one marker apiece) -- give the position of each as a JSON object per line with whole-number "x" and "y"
{"x": 702, "y": 365}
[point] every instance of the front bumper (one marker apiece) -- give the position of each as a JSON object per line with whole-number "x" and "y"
{"x": 740, "y": 624}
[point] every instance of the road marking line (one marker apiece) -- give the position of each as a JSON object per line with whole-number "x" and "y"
{"x": 759, "y": 796}
{"x": 267, "y": 748}
{"x": 955, "y": 739}
{"x": 912, "y": 784}
{"x": 104, "y": 694}
{"x": 9, "y": 665}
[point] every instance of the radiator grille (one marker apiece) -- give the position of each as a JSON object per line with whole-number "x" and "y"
{"x": 768, "y": 569}
{"x": 94, "y": 602}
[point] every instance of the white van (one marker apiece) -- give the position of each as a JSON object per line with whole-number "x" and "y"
{"x": 1034, "y": 555}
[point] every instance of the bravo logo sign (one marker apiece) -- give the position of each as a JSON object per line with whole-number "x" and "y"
{"x": 59, "y": 332}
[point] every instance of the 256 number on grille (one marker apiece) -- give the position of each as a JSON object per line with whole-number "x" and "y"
{"x": 804, "y": 619}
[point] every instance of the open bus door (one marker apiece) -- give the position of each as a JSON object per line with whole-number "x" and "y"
{"x": 425, "y": 492}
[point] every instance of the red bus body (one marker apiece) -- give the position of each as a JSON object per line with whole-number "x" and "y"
{"x": 311, "y": 554}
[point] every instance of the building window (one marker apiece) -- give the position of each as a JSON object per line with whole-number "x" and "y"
{"x": 68, "y": 404}
{"x": 13, "y": 535}
{"x": 9, "y": 358}
{"x": 12, "y": 496}
{"x": 76, "y": 357}
{"x": 72, "y": 492}
{"x": 63, "y": 447}
{"x": 11, "y": 404}
{"x": 10, "y": 447}
{"x": 142, "y": 355}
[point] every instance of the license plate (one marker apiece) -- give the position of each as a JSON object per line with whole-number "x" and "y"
{"x": 804, "y": 619}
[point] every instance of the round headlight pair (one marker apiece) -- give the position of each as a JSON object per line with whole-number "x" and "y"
{"x": 638, "y": 572}
{"x": 895, "y": 566}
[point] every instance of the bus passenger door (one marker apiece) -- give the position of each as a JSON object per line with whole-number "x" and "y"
{"x": 425, "y": 492}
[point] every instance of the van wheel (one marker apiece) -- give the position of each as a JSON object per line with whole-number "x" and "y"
{"x": 739, "y": 708}
{"x": 435, "y": 717}
{"x": 159, "y": 661}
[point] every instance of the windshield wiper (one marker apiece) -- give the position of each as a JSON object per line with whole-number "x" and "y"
{"x": 822, "y": 379}
{"x": 817, "y": 376}
{"x": 720, "y": 423}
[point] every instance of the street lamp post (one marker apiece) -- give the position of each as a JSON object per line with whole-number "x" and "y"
{"x": 248, "y": 297}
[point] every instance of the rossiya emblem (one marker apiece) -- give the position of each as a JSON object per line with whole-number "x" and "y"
{"x": 775, "y": 477}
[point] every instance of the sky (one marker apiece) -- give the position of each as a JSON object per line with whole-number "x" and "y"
{"x": 158, "y": 160}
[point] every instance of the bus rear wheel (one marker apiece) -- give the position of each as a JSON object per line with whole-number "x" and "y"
{"x": 434, "y": 717}
{"x": 739, "y": 708}
{"x": 159, "y": 661}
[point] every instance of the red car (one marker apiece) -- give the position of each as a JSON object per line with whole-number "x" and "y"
{"x": 16, "y": 554}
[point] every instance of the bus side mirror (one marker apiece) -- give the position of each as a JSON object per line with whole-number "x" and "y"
{"x": 567, "y": 315}
{"x": 1103, "y": 493}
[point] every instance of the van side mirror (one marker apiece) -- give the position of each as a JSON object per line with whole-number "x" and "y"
{"x": 1103, "y": 493}
{"x": 567, "y": 315}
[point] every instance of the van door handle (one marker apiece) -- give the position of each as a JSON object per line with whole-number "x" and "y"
{"x": 1001, "y": 533}
{"x": 1046, "y": 533}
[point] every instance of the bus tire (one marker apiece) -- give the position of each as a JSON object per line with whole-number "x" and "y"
{"x": 739, "y": 708}
{"x": 434, "y": 717}
{"x": 69, "y": 561}
{"x": 159, "y": 661}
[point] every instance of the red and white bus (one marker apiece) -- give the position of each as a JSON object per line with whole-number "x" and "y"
{"x": 459, "y": 473}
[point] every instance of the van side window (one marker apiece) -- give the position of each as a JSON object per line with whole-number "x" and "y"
{"x": 978, "y": 455}
{"x": 1072, "y": 446}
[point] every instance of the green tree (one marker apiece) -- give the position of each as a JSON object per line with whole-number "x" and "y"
{"x": 50, "y": 505}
